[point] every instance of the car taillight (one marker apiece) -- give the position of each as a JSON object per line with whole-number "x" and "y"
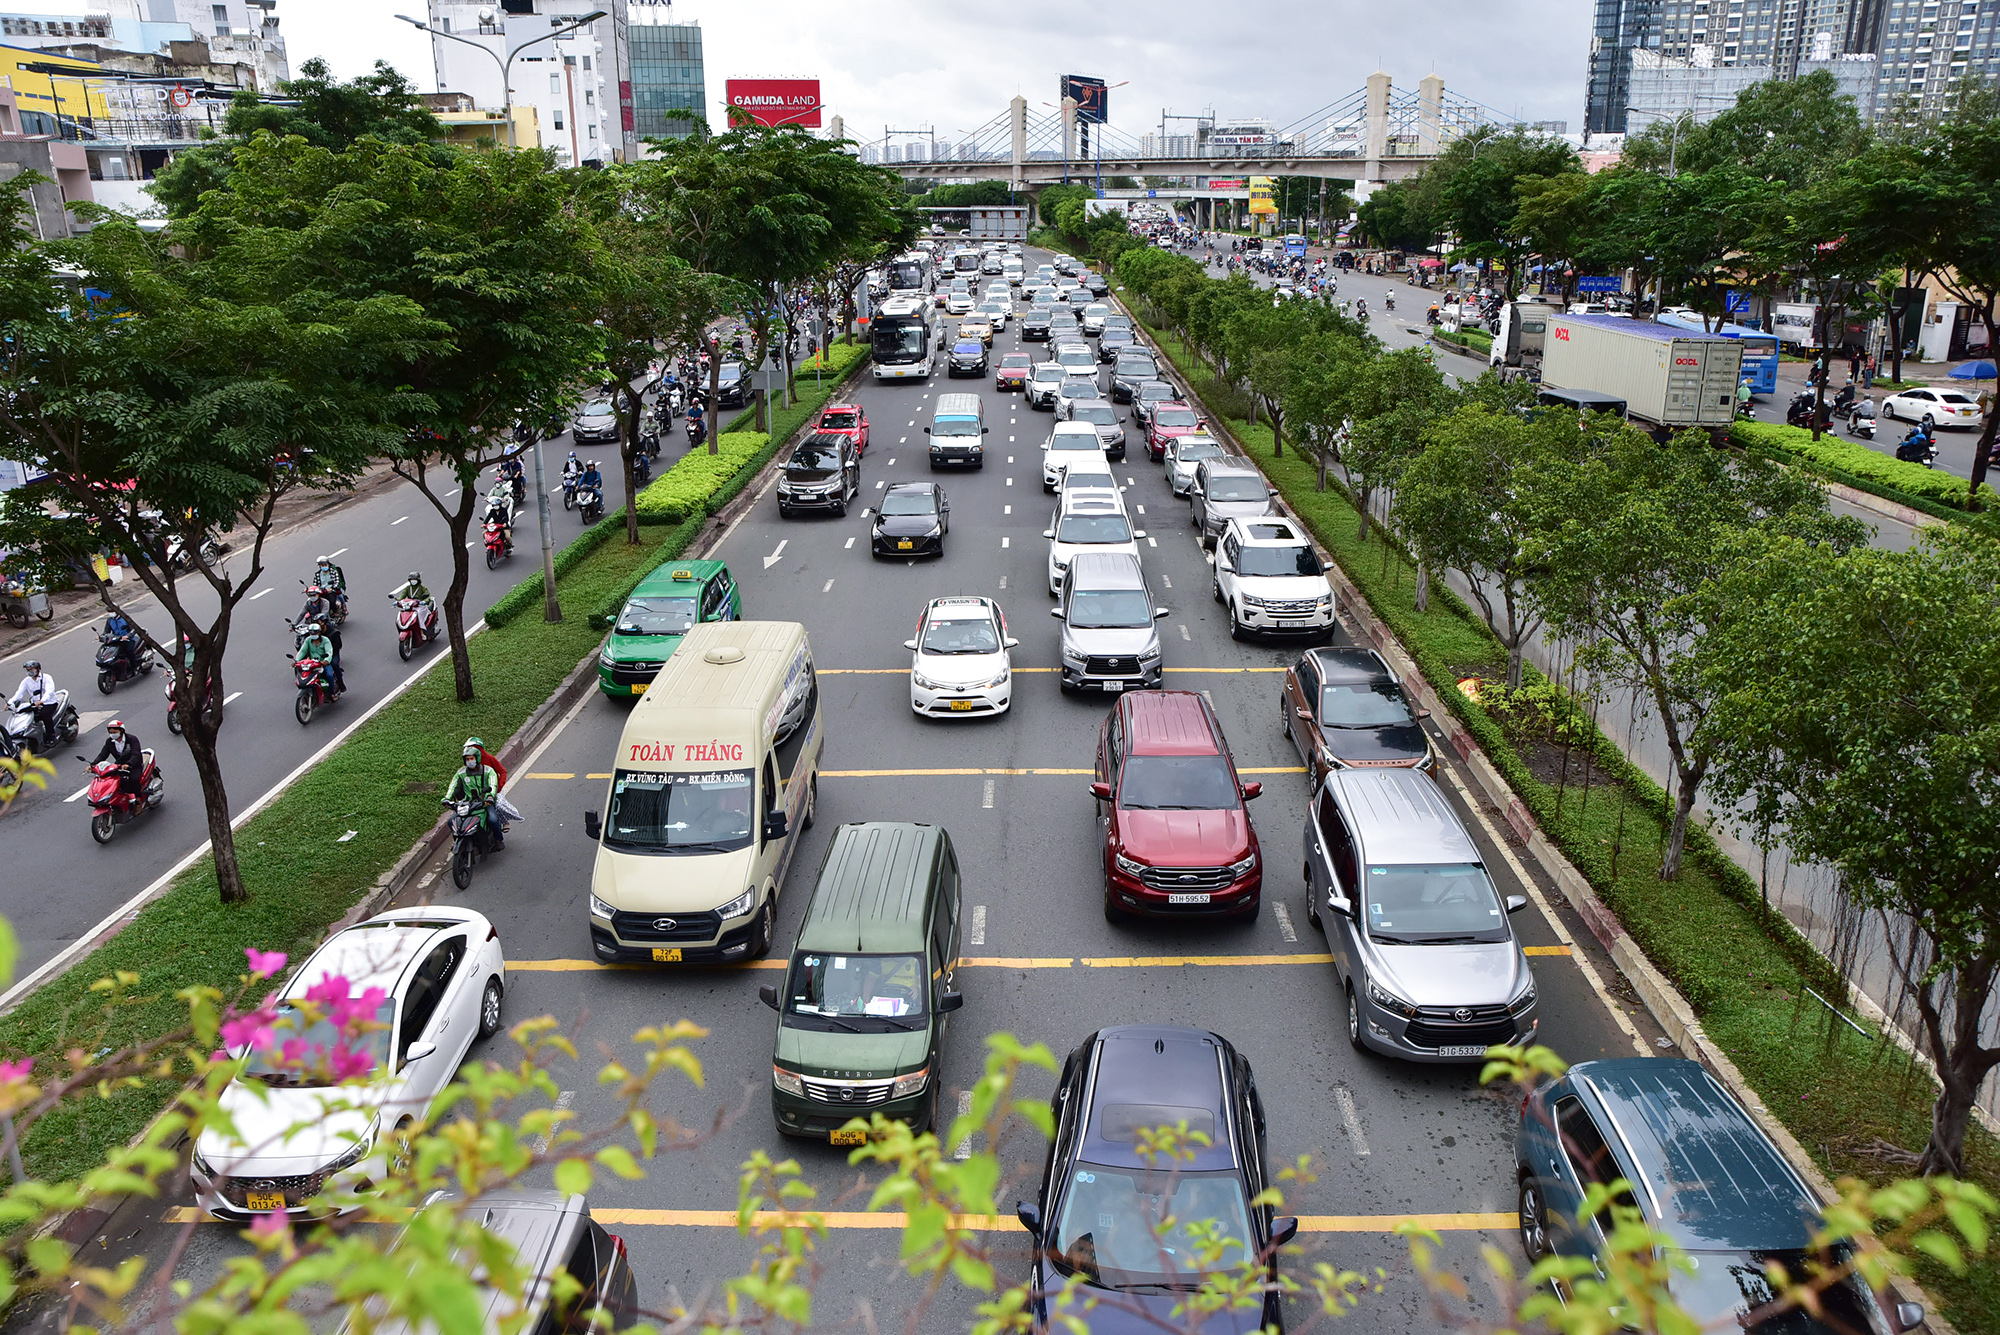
{"x": 617, "y": 1242}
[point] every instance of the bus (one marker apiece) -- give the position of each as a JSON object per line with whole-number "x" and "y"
{"x": 1295, "y": 245}
{"x": 910, "y": 275}
{"x": 1760, "y": 350}
{"x": 902, "y": 337}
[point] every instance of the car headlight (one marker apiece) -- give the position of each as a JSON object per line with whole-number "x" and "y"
{"x": 598, "y": 908}
{"x": 788, "y": 1082}
{"x": 604, "y": 658}
{"x": 203, "y": 1166}
{"x": 999, "y": 680}
{"x": 1524, "y": 998}
{"x": 1151, "y": 655}
{"x": 738, "y": 906}
{"x": 1389, "y": 1001}
{"x": 1243, "y": 868}
{"x": 907, "y": 1085}
{"x": 1252, "y": 600}
{"x": 925, "y": 683}
{"x": 937, "y": 531}
{"x": 1072, "y": 657}
{"x": 1127, "y": 865}
{"x": 354, "y": 1155}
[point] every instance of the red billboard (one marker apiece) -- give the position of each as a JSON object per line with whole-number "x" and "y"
{"x": 776, "y": 101}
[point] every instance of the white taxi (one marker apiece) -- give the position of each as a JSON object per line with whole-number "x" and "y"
{"x": 959, "y": 662}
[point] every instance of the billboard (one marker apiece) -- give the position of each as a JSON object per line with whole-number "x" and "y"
{"x": 776, "y": 101}
{"x": 1260, "y": 195}
{"x": 1219, "y": 183}
{"x": 1092, "y": 100}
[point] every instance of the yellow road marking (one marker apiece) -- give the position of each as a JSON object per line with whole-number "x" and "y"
{"x": 548, "y": 775}
{"x": 1016, "y": 962}
{"x": 884, "y": 1219}
{"x": 965, "y": 962}
{"x": 1545, "y": 950}
{"x": 1175, "y": 961}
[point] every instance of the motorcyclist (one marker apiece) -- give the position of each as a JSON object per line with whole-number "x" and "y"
{"x": 572, "y": 466}
{"x": 476, "y": 782}
{"x": 1389, "y": 301}
{"x": 318, "y": 647}
{"x": 1361, "y": 309}
{"x": 1743, "y": 398}
{"x": 413, "y": 589}
{"x": 1916, "y": 446}
{"x": 500, "y": 509}
{"x": 120, "y": 632}
{"x": 332, "y": 581}
{"x": 591, "y": 481}
{"x": 516, "y": 480}
{"x": 37, "y": 691}
{"x": 123, "y": 749}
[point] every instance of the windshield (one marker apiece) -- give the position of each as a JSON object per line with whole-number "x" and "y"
{"x": 308, "y": 1067}
{"x": 1096, "y": 310}
{"x": 955, "y": 426}
{"x": 1097, "y": 413}
{"x": 657, "y": 616}
{"x": 1175, "y": 417}
{"x": 1727, "y": 1286}
{"x": 1116, "y": 321}
{"x": 1235, "y": 487}
{"x": 1378, "y": 706}
{"x": 1076, "y": 440}
{"x": 907, "y": 503}
{"x": 839, "y": 421}
{"x": 597, "y": 408}
{"x": 902, "y": 338}
{"x": 1094, "y": 528}
{"x": 1142, "y": 367}
{"x": 1109, "y": 609}
{"x": 971, "y": 347}
{"x": 906, "y": 274}
{"x": 1432, "y": 904}
{"x": 868, "y": 994}
{"x": 1045, "y": 372}
{"x": 1016, "y": 360}
{"x": 1155, "y": 391}
{"x": 1277, "y": 561}
{"x": 728, "y": 375}
{"x": 1194, "y": 451}
{"x": 1128, "y": 1227}
{"x": 813, "y": 457}
{"x": 1177, "y": 783}
{"x": 654, "y": 812}
{"x": 1075, "y": 357}
{"x": 961, "y": 637}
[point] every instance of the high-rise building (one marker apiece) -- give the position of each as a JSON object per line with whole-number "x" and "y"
{"x": 892, "y": 153}
{"x": 1617, "y": 29}
{"x": 568, "y": 80}
{"x": 871, "y": 155}
{"x": 1927, "y": 46}
{"x": 665, "y": 75}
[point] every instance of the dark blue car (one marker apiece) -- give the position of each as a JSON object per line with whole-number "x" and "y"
{"x": 1102, "y": 1202}
{"x": 1702, "y": 1172}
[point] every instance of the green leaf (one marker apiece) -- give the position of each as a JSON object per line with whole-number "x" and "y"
{"x": 573, "y": 1176}
{"x": 620, "y": 1161}
{"x": 1942, "y": 1248}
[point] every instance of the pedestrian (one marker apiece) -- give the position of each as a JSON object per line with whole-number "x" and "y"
{"x": 1868, "y": 372}
{"x": 1854, "y": 360}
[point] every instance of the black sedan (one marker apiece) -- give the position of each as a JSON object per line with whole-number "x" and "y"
{"x": 1124, "y": 1221}
{"x": 1035, "y": 325}
{"x": 912, "y": 521}
{"x": 1344, "y": 707}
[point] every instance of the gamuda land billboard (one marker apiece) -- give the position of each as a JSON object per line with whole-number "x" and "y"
{"x": 776, "y": 101}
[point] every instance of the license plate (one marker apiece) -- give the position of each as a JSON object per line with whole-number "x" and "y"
{"x": 265, "y": 1200}
{"x": 1462, "y": 1050}
{"x": 905, "y": 546}
{"x": 638, "y": 688}
{"x": 666, "y": 954}
{"x": 961, "y": 704}
{"x": 847, "y": 1137}
{"x": 1114, "y": 685}
{"x": 1191, "y": 898}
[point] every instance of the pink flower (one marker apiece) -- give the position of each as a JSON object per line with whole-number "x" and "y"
{"x": 351, "y": 1015}
{"x": 271, "y": 1225}
{"x": 346, "y": 1063}
{"x": 331, "y": 988}
{"x": 265, "y": 963}
{"x": 251, "y": 1030}
{"x": 12, "y": 1071}
{"x": 292, "y": 1052}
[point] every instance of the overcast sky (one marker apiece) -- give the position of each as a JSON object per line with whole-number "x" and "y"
{"x": 896, "y": 63}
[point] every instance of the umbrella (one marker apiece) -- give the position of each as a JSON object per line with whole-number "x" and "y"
{"x": 1975, "y": 371}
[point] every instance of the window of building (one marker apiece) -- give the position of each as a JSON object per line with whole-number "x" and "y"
{"x": 586, "y": 62}
{"x": 559, "y": 120}
{"x": 555, "y": 83}
{"x": 593, "y": 129}
{"x": 589, "y": 98}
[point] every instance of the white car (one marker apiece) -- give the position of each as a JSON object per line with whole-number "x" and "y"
{"x": 1093, "y": 318}
{"x": 957, "y": 303}
{"x": 1183, "y": 453}
{"x": 1271, "y": 580}
{"x": 1068, "y": 442}
{"x": 959, "y": 661}
{"x": 297, "y": 1128}
{"x": 1075, "y": 357}
{"x": 997, "y": 312}
{"x": 1087, "y": 521}
{"x": 1043, "y": 383}
{"x": 1933, "y": 407}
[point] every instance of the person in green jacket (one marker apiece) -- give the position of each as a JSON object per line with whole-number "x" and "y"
{"x": 476, "y": 782}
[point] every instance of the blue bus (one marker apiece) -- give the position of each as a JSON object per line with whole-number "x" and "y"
{"x": 1760, "y": 350}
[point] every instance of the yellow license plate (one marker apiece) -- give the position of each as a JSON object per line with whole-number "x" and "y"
{"x": 265, "y": 1200}
{"x": 666, "y": 954}
{"x": 639, "y": 688}
{"x": 961, "y": 704}
{"x": 847, "y": 1137}
{"x": 905, "y": 546}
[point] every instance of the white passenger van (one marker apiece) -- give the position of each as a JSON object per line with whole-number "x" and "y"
{"x": 716, "y": 776}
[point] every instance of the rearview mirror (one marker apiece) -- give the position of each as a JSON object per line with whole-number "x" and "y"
{"x": 1056, "y": 612}
{"x": 1159, "y": 612}
{"x": 1048, "y": 533}
{"x": 593, "y": 824}
{"x": 910, "y": 644}
{"x": 768, "y": 994}
{"x": 1138, "y": 532}
{"x": 775, "y": 825}
{"x": 1101, "y": 791}
{"x": 419, "y": 1050}
{"x": 927, "y": 431}
{"x": 1283, "y": 1229}
{"x": 950, "y": 1001}
{"x": 1010, "y": 643}
{"x": 1515, "y": 903}
{"x": 1909, "y": 1316}
{"x": 1340, "y": 904}
{"x": 1030, "y": 1216}
{"x": 1252, "y": 791}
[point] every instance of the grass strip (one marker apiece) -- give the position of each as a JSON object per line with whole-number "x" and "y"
{"x": 1741, "y": 965}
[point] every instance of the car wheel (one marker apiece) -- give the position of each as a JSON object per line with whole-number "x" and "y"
{"x": 1113, "y": 914}
{"x": 1353, "y": 1019}
{"x": 1236, "y": 628}
{"x": 1312, "y": 900}
{"x": 1929, "y": 422}
{"x": 1250, "y": 914}
{"x": 1534, "y": 1222}
{"x": 489, "y": 1009}
{"x": 767, "y": 931}
{"x": 812, "y": 803}
{"x": 1215, "y": 587}
{"x": 784, "y": 512}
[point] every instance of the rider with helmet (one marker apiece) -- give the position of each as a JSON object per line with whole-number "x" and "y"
{"x": 332, "y": 581}
{"x": 476, "y": 782}
{"x": 317, "y": 646}
{"x": 37, "y": 691}
{"x": 123, "y": 749}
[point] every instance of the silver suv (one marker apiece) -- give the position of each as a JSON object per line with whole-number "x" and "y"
{"x": 1421, "y": 940}
{"x": 1109, "y": 641}
{"x": 1226, "y": 489}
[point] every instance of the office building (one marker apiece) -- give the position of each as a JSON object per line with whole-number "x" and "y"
{"x": 568, "y": 80}
{"x": 1927, "y": 46}
{"x": 665, "y": 75}
{"x": 1667, "y": 88}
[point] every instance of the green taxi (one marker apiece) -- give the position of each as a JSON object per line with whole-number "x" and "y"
{"x": 666, "y": 605}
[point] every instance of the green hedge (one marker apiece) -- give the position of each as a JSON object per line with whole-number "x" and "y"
{"x": 1881, "y": 474}
{"x": 528, "y": 593}
{"x": 1477, "y": 340}
{"x": 684, "y": 489}
{"x": 836, "y": 361}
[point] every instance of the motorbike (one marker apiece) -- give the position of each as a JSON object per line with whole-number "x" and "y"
{"x": 590, "y": 502}
{"x": 336, "y": 600}
{"x": 113, "y": 667}
{"x": 569, "y": 492}
{"x": 314, "y": 691}
{"x": 1799, "y": 412}
{"x": 1861, "y": 422}
{"x": 1918, "y": 448}
{"x": 470, "y": 839}
{"x": 210, "y": 705}
{"x": 110, "y": 806}
{"x": 642, "y": 467}
{"x": 649, "y": 442}
{"x": 180, "y": 561}
{"x": 25, "y": 731}
{"x": 520, "y": 484}
{"x": 697, "y": 432}
{"x": 499, "y": 545}
{"x": 416, "y": 625}
{"x": 1389, "y": 302}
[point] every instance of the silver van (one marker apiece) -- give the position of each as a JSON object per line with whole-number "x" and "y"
{"x": 957, "y": 431}
{"x": 1109, "y": 641}
{"x": 1422, "y": 942}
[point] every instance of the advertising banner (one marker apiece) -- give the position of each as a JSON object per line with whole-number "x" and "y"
{"x": 1218, "y": 183}
{"x": 1260, "y": 195}
{"x": 776, "y": 101}
{"x": 1092, "y": 100}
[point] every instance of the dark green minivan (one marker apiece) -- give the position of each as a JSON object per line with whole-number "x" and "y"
{"x": 668, "y": 603}
{"x": 861, "y": 1014}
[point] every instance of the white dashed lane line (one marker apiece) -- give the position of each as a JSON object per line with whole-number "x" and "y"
{"x": 1005, "y": 541}
{"x": 394, "y": 522}
{"x": 255, "y": 596}
{"x": 850, "y": 542}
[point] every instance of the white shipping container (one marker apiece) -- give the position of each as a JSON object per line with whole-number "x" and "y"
{"x": 1666, "y": 376}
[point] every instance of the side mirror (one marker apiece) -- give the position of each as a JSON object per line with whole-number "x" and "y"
{"x": 1909, "y": 1316}
{"x": 419, "y": 1050}
{"x": 1274, "y": 491}
{"x": 768, "y": 994}
{"x": 910, "y": 645}
{"x": 774, "y": 825}
{"x": 1159, "y": 612}
{"x": 1340, "y": 904}
{"x": 1101, "y": 791}
{"x": 593, "y": 824}
{"x": 950, "y": 1001}
{"x": 986, "y": 431}
{"x": 1048, "y": 533}
{"x": 1056, "y": 612}
{"x": 1011, "y": 643}
{"x": 927, "y": 431}
{"x": 1283, "y": 1229}
{"x": 1252, "y": 791}
{"x": 1515, "y": 903}
{"x": 1030, "y": 1216}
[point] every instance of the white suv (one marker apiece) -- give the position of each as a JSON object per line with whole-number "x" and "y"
{"x": 1070, "y": 440}
{"x": 1087, "y": 521}
{"x": 1271, "y": 580}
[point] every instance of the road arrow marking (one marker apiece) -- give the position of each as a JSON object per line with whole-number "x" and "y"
{"x": 776, "y": 555}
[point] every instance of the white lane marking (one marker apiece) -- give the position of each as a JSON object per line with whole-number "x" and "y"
{"x": 777, "y": 554}
{"x": 255, "y": 596}
{"x": 963, "y": 1150}
{"x": 986, "y": 800}
{"x": 1010, "y": 458}
{"x": 1129, "y": 482}
{"x": 1185, "y": 635}
{"x": 78, "y": 793}
{"x": 1164, "y": 580}
{"x": 850, "y": 543}
{"x": 1352, "y": 1116}
{"x": 394, "y": 522}
{"x": 901, "y": 440}
{"x": 231, "y": 696}
{"x": 1003, "y": 581}
{"x": 878, "y": 486}
{"x": 976, "y": 933}
{"x": 563, "y": 1100}
{"x": 1142, "y": 509}
{"x": 1005, "y": 541}
{"x": 912, "y": 421}
{"x": 341, "y": 552}
{"x": 1010, "y": 481}
{"x": 1006, "y": 509}
{"x": 1010, "y": 440}
{"x": 828, "y": 586}
{"x": 892, "y": 463}
{"x": 1152, "y": 542}
{"x": 867, "y": 510}
{"x": 1284, "y": 917}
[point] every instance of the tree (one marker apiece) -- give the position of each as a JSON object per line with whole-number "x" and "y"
{"x": 1395, "y": 218}
{"x": 208, "y": 390}
{"x": 1395, "y": 398}
{"x": 1857, "y": 709}
{"x": 1628, "y": 534}
{"x": 1053, "y": 197}
{"x": 492, "y": 245}
{"x": 1558, "y": 218}
{"x": 1475, "y": 179}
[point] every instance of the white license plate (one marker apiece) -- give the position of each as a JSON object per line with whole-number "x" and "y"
{"x": 1200, "y": 898}
{"x": 1461, "y": 1050}
{"x": 1114, "y": 685}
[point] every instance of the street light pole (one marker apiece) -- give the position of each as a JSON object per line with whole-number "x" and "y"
{"x": 506, "y": 65}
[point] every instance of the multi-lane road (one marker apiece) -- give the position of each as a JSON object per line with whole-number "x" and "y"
{"x": 1387, "y": 1140}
